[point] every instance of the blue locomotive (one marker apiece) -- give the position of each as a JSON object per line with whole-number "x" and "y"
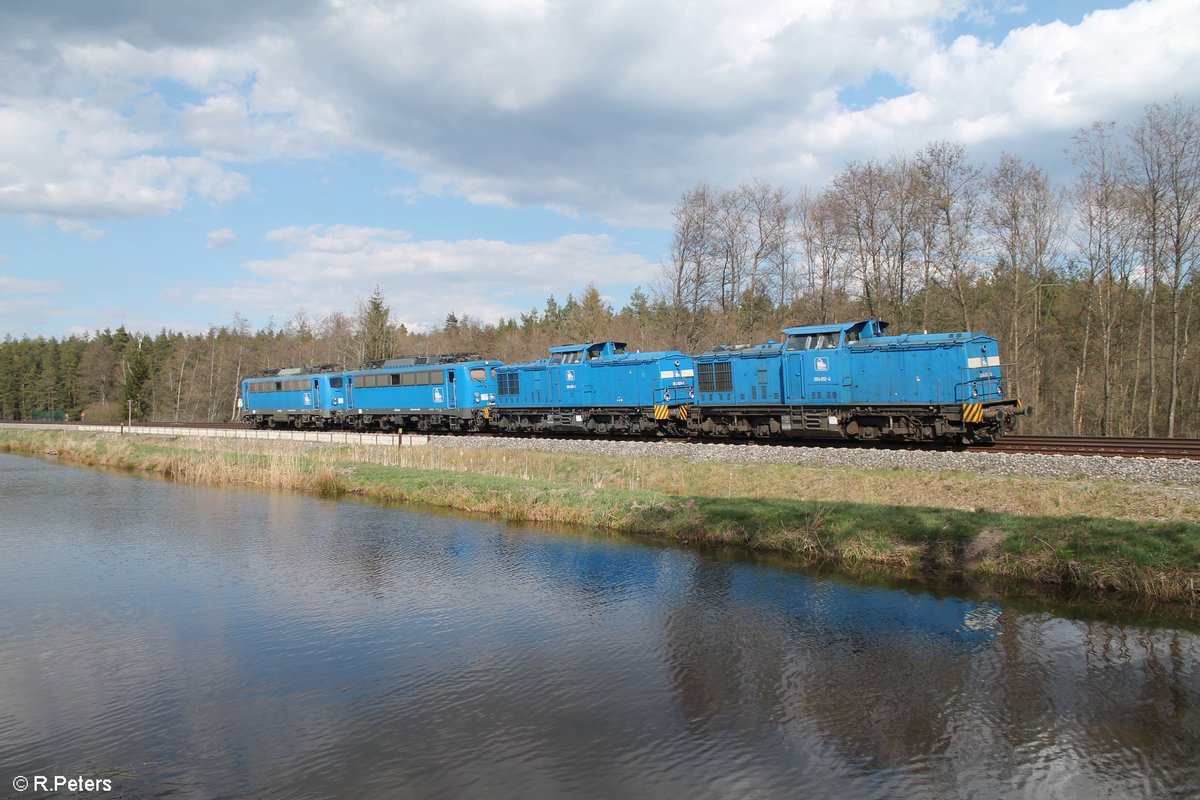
{"x": 596, "y": 388}
{"x": 431, "y": 393}
{"x": 851, "y": 381}
{"x": 294, "y": 397}
{"x": 847, "y": 381}
{"x": 450, "y": 393}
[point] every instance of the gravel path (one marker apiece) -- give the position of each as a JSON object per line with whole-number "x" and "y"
{"x": 1164, "y": 471}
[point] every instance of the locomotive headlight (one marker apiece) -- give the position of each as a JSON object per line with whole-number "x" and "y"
{"x": 677, "y": 362}
{"x": 666, "y": 394}
{"x": 975, "y": 392}
{"x": 691, "y": 394}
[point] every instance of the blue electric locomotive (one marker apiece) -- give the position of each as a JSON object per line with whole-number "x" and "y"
{"x": 429, "y": 393}
{"x": 850, "y": 381}
{"x": 314, "y": 397}
{"x": 596, "y": 388}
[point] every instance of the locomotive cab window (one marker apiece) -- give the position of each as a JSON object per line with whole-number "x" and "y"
{"x": 812, "y": 341}
{"x": 478, "y": 374}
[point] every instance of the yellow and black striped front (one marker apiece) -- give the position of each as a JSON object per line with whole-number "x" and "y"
{"x": 664, "y": 412}
{"x": 972, "y": 412}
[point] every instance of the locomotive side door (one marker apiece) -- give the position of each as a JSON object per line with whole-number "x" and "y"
{"x": 316, "y": 393}
{"x": 451, "y": 394}
{"x": 813, "y": 366}
{"x": 793, "y": 369}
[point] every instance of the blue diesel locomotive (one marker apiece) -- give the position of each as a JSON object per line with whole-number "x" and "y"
{"x": 596, "y": 388}
{"x": 850, "y": 381}
{"x": 847, "y": 381}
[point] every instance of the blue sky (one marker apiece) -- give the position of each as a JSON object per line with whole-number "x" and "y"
{"x": 168, "y": 168}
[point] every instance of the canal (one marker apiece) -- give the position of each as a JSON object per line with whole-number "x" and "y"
{"x": 183, "y": 641}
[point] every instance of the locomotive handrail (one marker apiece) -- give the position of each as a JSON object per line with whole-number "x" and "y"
{"x": 1008, "y": 382}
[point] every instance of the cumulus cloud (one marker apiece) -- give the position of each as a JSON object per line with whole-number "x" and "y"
{"x": 328, "y": 268}
{"x": 74, "y": 159}
{"x": 220, "y": 238}
{"x": 605, "y": 109}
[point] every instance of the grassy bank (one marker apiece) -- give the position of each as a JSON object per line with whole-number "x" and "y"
{"x": 1139, "y": 539}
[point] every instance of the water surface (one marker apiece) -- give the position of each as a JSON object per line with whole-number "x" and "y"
{"x": 200, "y": 642}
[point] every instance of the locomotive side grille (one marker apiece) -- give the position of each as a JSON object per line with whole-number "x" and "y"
{"x": 508, "y": 383}
{"x": 714, "y": 376}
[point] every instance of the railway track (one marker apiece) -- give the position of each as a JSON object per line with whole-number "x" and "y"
{"x": 1129, "y": 447}
{"x": 1096, "y": 446}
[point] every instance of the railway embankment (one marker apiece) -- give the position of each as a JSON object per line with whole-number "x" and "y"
{"x": 1135, "y": 532}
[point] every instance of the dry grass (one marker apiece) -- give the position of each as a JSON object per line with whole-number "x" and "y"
{"x": 1054, "y": 532}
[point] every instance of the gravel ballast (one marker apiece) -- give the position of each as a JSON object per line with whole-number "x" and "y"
{"x": 1161, "y": 471}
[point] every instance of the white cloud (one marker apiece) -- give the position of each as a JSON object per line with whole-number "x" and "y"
{"x": 329, "y": 268}
{"x": 85, "y": 231}
{"x": 73, "y": 159}
{"x": 608, "y": 109}
{"x": 220, "y": 238}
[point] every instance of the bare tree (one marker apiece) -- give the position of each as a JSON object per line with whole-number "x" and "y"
{"x": 771, "y": 252}
{"x": 817, "y": 226}
{"x": 904, "y": 208}
{"x": 861, "y": 192}
{"x": 1023, "y": 220}
{"x": 691, "y": 281}
{"x": 952, "y": 187}
{"x": 1167, "y": 143}
{"x": 1106, "y": 240}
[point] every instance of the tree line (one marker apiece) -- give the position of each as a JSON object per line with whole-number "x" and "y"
{"x": 1090, "y": 287}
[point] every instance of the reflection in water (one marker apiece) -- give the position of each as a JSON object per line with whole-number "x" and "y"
{"x": 197, "y": 642}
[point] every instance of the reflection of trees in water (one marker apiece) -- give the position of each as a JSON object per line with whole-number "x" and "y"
{"x": 1036, "y": 701}
{"x": 724, "y": 661}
